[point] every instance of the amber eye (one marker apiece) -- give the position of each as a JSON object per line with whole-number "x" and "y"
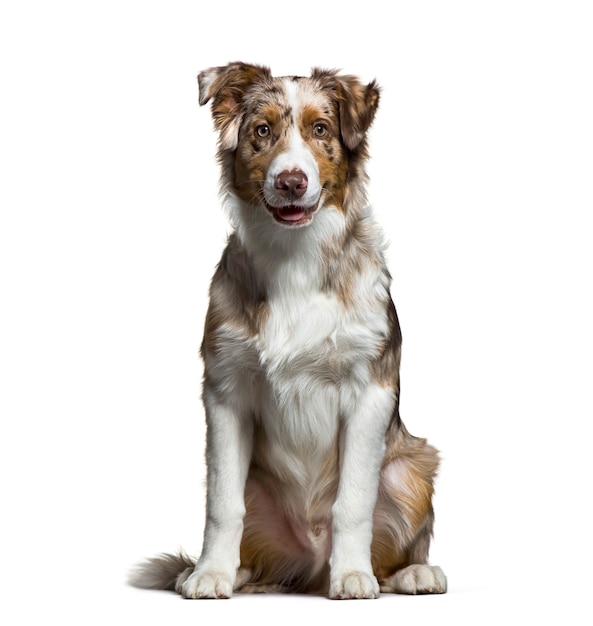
{"x": 319, "y": 130}
{"x": 263, "y": 130}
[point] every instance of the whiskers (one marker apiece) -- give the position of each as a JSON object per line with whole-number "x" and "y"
{"x": 257, "y": 198}
{"x": 327, "y": 195}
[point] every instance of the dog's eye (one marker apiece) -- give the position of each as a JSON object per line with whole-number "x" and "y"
{"x": 263, "y": 130}
{"x": 319, "y": 130}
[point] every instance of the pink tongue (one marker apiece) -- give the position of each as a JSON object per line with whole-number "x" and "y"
{"x": 291, "y": 213}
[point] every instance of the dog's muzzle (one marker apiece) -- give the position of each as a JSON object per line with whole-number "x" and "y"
{"x": 289, "y": 205}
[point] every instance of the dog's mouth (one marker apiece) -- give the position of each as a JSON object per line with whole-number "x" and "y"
{"x": 292, "y": 215}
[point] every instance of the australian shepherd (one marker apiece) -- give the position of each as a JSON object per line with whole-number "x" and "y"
{"x": 313, "y": 482}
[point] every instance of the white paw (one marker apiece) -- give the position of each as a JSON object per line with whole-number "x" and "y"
{"x": 185, "y": 574}
{"x": 207, "y": 584}
{"x": 416, "y": 579}
{"x": 353, "y": 585}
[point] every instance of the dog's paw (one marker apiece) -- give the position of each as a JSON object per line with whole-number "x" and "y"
{"x": 206, "y": 584}
{"x": 181, "y": 578}
{"x": 416, "y": 579}
{"x": 353, "y": 585}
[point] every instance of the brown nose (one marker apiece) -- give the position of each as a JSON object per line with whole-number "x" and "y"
{"x": 291, "y": 184}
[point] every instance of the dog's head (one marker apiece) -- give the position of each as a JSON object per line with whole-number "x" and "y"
{"x": 290, "y": 144}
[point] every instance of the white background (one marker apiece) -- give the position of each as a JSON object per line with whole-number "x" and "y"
{"x": 110, "y": 228}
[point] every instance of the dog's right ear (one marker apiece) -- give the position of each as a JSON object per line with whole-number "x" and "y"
{"x": 225, "y": 86}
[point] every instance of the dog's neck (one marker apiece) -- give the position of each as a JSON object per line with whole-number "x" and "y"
{"x": 283, "y": 254}
{"x": 325, "y": 255}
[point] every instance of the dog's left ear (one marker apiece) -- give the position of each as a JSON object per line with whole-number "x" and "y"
{"x": 226, "y": 86}
{"x": 358, "y": 104}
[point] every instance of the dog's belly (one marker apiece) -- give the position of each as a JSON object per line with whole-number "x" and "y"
{"x": 295, "y": 463}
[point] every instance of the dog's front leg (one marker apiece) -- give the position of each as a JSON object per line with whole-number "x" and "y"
{"x": 229, "y": 443}
{"x": 362, "y": 445}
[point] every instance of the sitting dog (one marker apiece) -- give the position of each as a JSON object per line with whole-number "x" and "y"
{"x": 314, "y": 484}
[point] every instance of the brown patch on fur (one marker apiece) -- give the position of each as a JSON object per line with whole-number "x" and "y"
{"x": 385, "y": 369}
{"x": 386, "y": 558}
{"x": 272, "y": 115}
{"x": 309, "y": 116}
{"x": 421, "y": 462}
{"x": 250, "y": 173}
{"x": 358, "y": 105}
{"x": 348, "y": 257}
{"x": 329, "y": 153}
{"x": 235, "y": 297}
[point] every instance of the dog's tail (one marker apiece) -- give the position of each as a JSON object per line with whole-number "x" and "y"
{"x": 160, "y": 572}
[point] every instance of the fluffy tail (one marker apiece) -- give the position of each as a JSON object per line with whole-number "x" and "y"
{"x": 160, "y": 572}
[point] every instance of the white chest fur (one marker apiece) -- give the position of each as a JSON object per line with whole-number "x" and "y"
{"x": 312, "y": 346}
{"x": 300, "y": 366}
{"x": 311, "y": 350}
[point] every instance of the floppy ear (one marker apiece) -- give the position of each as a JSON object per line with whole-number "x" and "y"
{"x": 225, "y": 86}
{"x": 357, "y": 104}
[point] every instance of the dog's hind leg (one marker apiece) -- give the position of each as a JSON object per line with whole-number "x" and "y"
{"x": 403, "y": 519}
{"x": 418, "y": 577}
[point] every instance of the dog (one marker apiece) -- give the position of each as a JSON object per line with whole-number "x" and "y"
{"x": 314, "y": 485}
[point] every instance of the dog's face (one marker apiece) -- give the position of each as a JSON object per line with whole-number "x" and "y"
{"x": 293, "y": 141}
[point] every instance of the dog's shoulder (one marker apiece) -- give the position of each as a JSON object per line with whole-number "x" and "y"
{"x": 237, "y": 302}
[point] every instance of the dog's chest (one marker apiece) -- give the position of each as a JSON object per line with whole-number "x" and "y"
{"x": 308, "y": 346}
{"x": 301, "y": 334}
{"x": 311, "y": 332}
{"x": 303, "y": 351}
